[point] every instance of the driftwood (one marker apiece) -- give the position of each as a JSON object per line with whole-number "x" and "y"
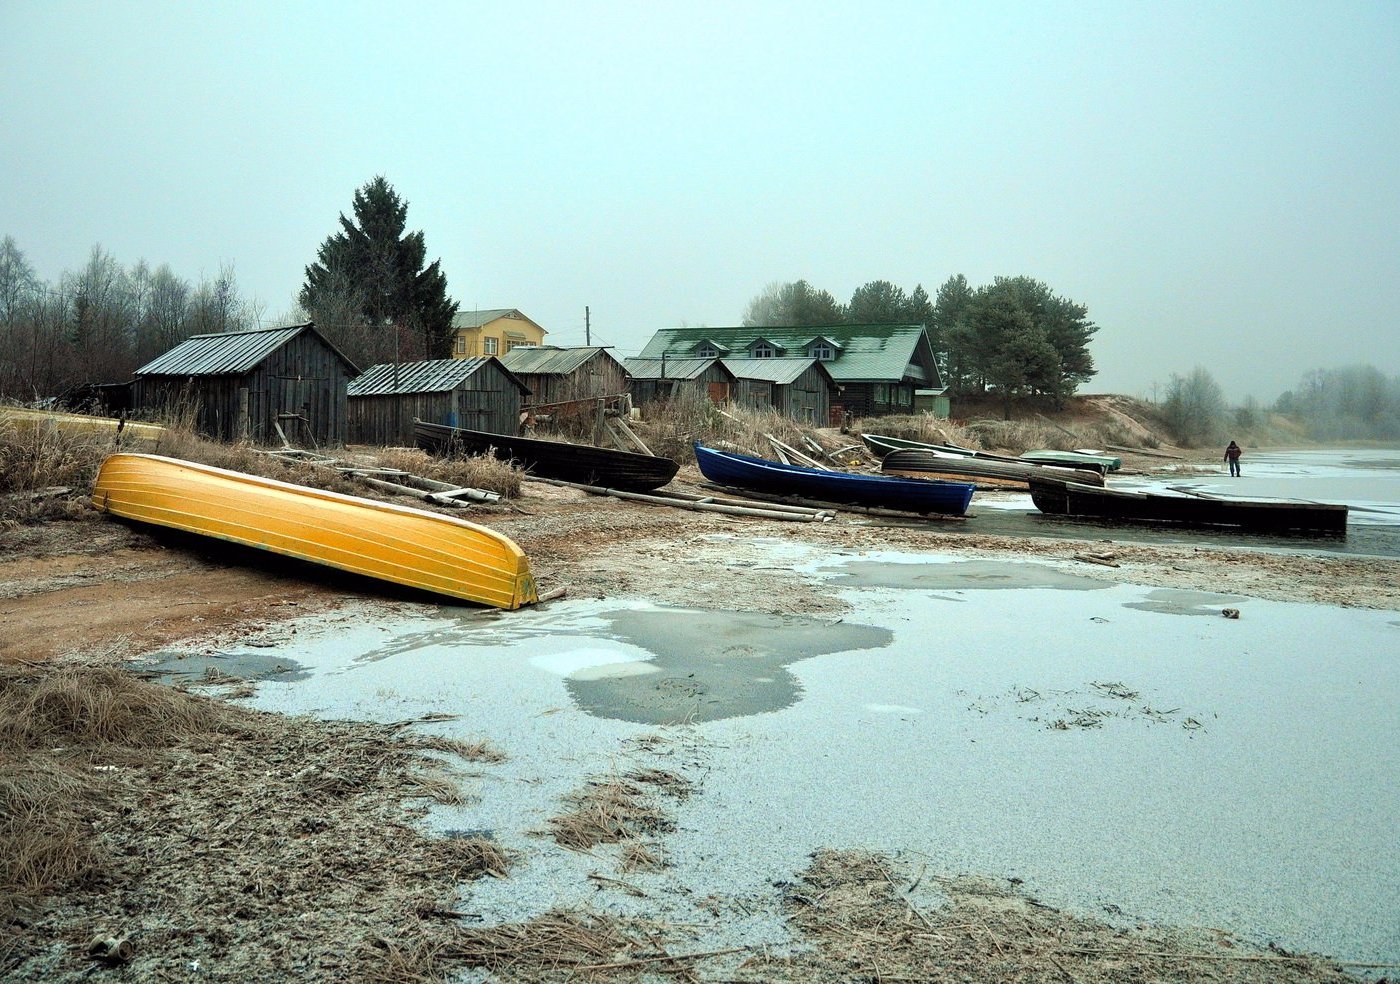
{"x": 815, "y": 515}
{"x": 817, "y": 504}
{"x": 786, "y": 451}
{"x": 618, "y": 425}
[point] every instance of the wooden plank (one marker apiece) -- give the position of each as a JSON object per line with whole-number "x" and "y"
{"x": 816, "y": 516}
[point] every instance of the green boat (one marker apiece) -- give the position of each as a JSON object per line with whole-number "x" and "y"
{"x": 1075, "y": 459}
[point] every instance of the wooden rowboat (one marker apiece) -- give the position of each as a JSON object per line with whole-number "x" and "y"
{"x": 412, "y": 547}
{"x": 882, "y": 491}
{"x": 1249, "y": 515}
{"x": 581, "y": 463}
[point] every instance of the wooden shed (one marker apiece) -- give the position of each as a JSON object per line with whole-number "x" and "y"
{"x": 660, "y": 380}
{"x": 559, "y": 376}
{"x": 249, "y": 384}
{"x": 798, "y": 388}
{"x": 476, "y": 393}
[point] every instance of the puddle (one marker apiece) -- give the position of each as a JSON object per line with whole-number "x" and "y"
{"x": 1171, "y": 601}
{"x": 967, "y": 574}
{"x": 706, "y": 666}
{"x": 174, "y": 667}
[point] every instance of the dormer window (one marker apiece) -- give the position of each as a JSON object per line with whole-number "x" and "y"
{"x": 707, "y": 351}
{"x": 822, "y": 352}
{"x": 763, "y": 351}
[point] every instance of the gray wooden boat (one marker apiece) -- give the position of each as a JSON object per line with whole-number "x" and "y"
{"x": 581, "y": 463}
{"x": 1248, "y": 515}
{"x": 984, "y": 471}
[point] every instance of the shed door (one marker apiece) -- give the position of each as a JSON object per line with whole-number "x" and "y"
{"x": 719, "y": 392}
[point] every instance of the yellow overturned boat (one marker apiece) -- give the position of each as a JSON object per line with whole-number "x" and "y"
{"x": 81, "y": 423}
{"x": 395, "y": 543}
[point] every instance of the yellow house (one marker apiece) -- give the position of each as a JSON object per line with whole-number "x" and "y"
{"x": 493, "y": 332}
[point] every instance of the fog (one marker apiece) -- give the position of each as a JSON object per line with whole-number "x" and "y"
{"x": 1220, "y": 186}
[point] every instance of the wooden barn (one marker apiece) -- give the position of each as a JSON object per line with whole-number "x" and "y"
{"x": 475, "y": 393}
{"x": 798, "y": 388}
{"x": 559, "y": 376}
{"x": 247, "y": 385}
{"x": 660, "y": 380}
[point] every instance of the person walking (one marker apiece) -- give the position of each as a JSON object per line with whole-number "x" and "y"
{"x": 1232, "y": 456}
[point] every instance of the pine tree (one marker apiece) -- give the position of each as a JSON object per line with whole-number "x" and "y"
{"x": 384, "y": 268}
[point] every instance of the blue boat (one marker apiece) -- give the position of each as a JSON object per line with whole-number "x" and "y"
{"x": 918, "y": 495}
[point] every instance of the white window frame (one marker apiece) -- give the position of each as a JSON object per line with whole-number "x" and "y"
{"x": 490, "y": 346}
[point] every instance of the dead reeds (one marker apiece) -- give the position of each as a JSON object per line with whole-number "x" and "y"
{"x": 199, "y": 826}
{"x": 858, "y": 917}
{"x": 618, "y": 808}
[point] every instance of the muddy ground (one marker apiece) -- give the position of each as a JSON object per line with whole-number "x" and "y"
{"x": 94, "y": 584}
{"x": 93, "y": 592}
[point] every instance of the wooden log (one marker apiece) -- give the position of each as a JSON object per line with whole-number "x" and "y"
{"x": 738, "y": 502}
{"x": 817, "y": 516}
{"x": 843, "y": 507}
{"x": 398, "y": 489}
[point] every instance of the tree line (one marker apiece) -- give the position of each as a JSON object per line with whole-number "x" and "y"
{"x": 1014, "y": 336}
{"x": 99, "y": 323}
{"x": 1350, "y": 403}
{"x": 369, "y": 291}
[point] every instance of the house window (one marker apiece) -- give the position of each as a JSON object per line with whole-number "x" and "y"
{"x": 822, "y": 353}
{"x": 763, "y": 351}
{"x": 490, "y": 345}
{"x": 461, "y": 344}
{"x": 707, "y": 352}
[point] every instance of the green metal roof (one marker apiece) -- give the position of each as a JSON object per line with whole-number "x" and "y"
{"x": 866, "y": 353}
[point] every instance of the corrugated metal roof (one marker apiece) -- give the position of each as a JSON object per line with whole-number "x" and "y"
{"x": 541, "y": 360}
{"x": 773, "y": 370}
{"x": 475, "y": 319}
{"x": 432, "y": 376}
{"x": 868, "y": 352}
{"x": 673, "y": 368}
{"x": 219, "y": 354}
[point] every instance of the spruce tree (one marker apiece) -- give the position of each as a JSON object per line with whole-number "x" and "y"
{"x": 373, "y": 258}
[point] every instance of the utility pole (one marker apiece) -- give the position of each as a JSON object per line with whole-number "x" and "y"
{"x": 587, "y": 332}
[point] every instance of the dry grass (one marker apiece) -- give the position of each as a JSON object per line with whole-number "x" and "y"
{"x": 619, "y": 808}
{"x": 672, "y": 428}
{"x": 262, "y": 846}
{"x": 36, "y": 456}
{"x": 476, "y": 472}
{"x": 861, "y": 924}
{"x": 917, "y": 427}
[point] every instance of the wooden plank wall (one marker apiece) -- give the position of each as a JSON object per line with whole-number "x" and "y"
{"x": 303, "y": 377}
{"x": 601, "y": 375}
{"x": 487, "y": 400}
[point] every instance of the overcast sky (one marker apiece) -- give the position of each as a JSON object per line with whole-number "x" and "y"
{"x": 1218, "y": 182}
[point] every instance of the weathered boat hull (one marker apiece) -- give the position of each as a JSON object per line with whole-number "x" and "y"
{"x": 580, "y": 463}
{"x": 881, "y": 445}
{"x": 1075, "y": 459}
{"x": 979, "y": 469}
{"x": 880, "y": 491}
{"x": 412, "y": 547}
{"x": 1286, "y": 518}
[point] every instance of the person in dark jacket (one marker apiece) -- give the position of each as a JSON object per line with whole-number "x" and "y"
{"x": 1232, "y": 456}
